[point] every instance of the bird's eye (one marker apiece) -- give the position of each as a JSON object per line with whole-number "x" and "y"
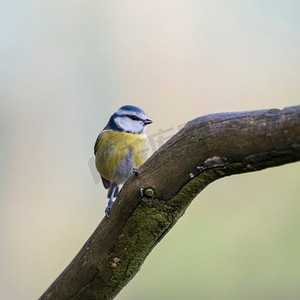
{"x": 134, "y": 118}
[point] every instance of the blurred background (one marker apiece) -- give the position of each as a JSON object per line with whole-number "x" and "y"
{"x": 66, "y": 66}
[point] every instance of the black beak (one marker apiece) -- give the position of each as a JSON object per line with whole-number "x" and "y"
{"x": 147, "y": 121}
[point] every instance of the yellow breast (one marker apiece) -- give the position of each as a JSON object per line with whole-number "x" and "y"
{"x": 114, "y": 147}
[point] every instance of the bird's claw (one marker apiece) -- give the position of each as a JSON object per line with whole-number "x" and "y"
{"x": 110, "y": 204}
{"x": 107, "y": 210}
{"x": 134, "y": 171}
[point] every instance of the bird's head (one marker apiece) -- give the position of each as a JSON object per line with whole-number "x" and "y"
{"x": 129, "y": 118}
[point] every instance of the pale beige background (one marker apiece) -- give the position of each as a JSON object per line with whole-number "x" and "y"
{"x": 66, "y": 66}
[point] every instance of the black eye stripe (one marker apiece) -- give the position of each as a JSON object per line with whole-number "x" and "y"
{"x": 133, "y": 117}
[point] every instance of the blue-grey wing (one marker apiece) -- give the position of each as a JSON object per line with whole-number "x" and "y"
{"x": 96, "y": 143}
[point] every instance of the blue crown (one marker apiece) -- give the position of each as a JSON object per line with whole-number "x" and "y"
{"x": 131, "y": 108}
{"x": 127, "y": 108}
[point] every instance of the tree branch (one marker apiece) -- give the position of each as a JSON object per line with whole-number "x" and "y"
{"x": 206, "y": 149}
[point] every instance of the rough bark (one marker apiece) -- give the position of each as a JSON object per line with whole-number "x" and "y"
{"x": 206, "y": 149}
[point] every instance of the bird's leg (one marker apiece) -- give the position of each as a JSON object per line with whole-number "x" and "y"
{"x": 110, "y": 201}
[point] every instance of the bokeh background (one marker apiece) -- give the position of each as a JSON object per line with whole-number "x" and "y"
{"x": 66, "y": 66}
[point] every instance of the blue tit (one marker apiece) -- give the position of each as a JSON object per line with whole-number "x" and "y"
{"x": 121, "y": 148}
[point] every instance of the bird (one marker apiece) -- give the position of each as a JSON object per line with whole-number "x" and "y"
{"x": 120, "y": 148}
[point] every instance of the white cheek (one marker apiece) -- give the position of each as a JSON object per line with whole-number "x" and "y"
{"x": 129, "y": 125}
{"x": 120, "y": 123}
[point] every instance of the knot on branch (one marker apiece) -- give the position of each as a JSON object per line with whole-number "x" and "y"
{"x": 215, "y": 162}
